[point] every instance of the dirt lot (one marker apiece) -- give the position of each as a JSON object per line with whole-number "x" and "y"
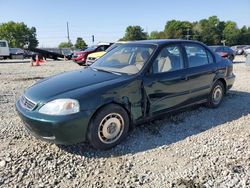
{"x": 198, "y": 147}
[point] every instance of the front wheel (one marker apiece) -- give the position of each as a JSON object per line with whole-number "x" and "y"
{"x": 108, "y": 127}
{"x": 216, "y": 95}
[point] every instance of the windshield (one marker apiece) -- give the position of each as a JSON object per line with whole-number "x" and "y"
{"x": 91, "y": 48}
{"x": 128, "y": 59}
{"x": 113, "y": 46}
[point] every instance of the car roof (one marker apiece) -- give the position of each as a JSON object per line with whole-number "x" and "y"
{"x": 105, "y": 43}
{"x": 162, "y": 41}
{"x": 217, "y": 46}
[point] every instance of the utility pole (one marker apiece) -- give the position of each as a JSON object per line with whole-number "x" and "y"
{"x": 68, "y": 33}
{"x": 188, "y": 34}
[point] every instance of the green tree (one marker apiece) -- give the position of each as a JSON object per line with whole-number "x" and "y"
{"x": 244, "y": 36}
{"x": 18, "y": 34}
{"x": 134, "y": 33}
{"x": 157, "y": 35}
{"x": 65, "y": 45}
{"x": 231, "y": 33}
{"x": 209, "y": 31}
{"x": 175, "y": 29}
{"x": 80, "y": 43}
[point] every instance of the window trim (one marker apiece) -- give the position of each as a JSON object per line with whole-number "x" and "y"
{"x": 208, "y": 52}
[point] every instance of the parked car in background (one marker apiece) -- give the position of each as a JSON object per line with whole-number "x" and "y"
{"x": 96, "y": 55}
{"x": 4, "y": 49}
{"x": 16, "y": 53}
{"x": 29, "y": 54}
{"x": 81, "y": 57}
{"x": 247, "y": 50}
{"x": 224, "y": 51}
{"x": 130, "y": 84}
{"x": 239, "y": 49}
{"x": 67, "y": 52}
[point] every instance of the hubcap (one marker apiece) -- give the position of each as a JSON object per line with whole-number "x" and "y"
{"x": 111, "y": 128}
{"x": 217, "y": 94}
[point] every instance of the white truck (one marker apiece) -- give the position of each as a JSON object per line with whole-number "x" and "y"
{"x": 4, "y": 49}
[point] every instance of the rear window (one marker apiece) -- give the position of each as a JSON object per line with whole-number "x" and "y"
{"x": 3, "y": 44}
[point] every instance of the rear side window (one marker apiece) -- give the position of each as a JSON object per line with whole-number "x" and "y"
{"x": 3, "y": 44}
{"x": 197, "y": 55}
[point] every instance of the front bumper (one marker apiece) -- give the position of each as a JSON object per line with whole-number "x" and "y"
{"x": 70, "y": 129}
{"x": 79, "y": 60}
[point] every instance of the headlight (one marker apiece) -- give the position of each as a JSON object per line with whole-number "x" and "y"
{"x": 60, "y": 107}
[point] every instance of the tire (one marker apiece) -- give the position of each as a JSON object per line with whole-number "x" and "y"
{"x": 108, "y": 127}
{"x": 216, "y": 95}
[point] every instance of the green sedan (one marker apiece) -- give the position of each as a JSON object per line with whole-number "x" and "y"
{"x": 134, "y": 83}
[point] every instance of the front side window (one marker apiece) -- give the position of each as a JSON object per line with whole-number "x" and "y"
{"x": 3, "y": 44}
{"x": 128, "y": 59}
{"x": 196, "y": 54}
{"x": 169, "y": 59}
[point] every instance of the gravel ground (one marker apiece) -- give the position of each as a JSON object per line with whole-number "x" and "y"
{"x": 198, "y": 147}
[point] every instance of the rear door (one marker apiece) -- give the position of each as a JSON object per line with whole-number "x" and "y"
{"x": 166, "y": 86}
{"x": 201, "y": 70}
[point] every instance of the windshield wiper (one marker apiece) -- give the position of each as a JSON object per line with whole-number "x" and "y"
{"x": 104, "y": 70}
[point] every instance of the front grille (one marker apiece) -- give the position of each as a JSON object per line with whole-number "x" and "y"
{"x": 26, "y": 103}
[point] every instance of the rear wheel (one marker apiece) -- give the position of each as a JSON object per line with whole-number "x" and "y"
{"x": 216, "y": 95}
{"x": 108, "y": 127}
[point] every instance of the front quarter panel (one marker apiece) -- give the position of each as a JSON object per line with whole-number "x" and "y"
{"x": 125, "y": 91}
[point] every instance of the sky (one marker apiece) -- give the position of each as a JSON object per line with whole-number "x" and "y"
{"x": 107, "y": 19}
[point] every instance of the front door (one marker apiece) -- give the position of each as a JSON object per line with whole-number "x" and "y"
{"x": 166, "y": 86}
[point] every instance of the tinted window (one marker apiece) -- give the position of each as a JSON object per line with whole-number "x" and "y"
{"x": 100, "y": 48}
{"x": 196, "y": 54}
{"x": 3, "y": 44}
{"x": 169, "y": 59}
{"x": 106, "y": 47}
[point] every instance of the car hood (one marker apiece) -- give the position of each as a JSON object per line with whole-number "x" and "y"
{"x": 51, "y": 87}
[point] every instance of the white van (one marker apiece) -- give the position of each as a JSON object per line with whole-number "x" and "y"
{"x": 4, "y": 49}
